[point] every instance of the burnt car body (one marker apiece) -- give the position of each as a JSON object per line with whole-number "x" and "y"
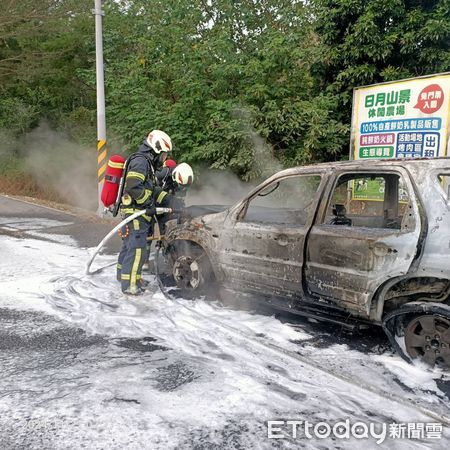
{"x": 364, "y": 240}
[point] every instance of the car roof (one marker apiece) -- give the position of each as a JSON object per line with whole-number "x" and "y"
{"x": 370, "y": 164}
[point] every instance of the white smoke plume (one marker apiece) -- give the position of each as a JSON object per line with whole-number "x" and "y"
{"x": 264, "y": 161}
{"x": 221, "y": 187}
{"x": 216, "y": 187}
{"x": 70, "y": 169}
{"x": 7, "y": 143}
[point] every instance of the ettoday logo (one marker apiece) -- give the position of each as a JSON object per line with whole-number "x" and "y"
{"x": 303, "y": 429}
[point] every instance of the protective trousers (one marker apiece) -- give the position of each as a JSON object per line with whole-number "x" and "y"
{"x": 133, "y": 254}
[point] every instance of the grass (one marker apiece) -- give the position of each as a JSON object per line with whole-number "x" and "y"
{"x": 15, "y": 180}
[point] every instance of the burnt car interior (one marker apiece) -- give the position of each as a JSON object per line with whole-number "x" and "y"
{"x": 378, "y": 200}
{"x": 340, "y": 216}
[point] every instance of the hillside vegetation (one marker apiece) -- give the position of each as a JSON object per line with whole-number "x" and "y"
{"x": 233, "y": 82}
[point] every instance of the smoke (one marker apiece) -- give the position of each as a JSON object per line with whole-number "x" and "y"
{"x": 219, "y": 187}
{"x": 68, "y": 168}
{"x": 216, "y": 187}
{"x": 264, "y": 162}
{"x": 7, "y": 143}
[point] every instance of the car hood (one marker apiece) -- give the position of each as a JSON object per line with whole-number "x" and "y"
{"x": 195, "y": 218}
{"x": 200, "y": 210}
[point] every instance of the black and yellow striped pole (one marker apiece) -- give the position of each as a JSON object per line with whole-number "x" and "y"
{"x": 101, "y": 120}
{"x": 102, "y": 160}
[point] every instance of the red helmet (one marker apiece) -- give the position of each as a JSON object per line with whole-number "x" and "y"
{"x": 170, "y": 163}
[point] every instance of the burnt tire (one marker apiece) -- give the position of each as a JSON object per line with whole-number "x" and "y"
{"x": 421, "y": 331}
{"x": 427, "y": 337}
{"x": 190, "y": 273}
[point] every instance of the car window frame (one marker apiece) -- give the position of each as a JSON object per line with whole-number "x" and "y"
{"x": 398, "y": 170}
{"x": 241, "y": 207}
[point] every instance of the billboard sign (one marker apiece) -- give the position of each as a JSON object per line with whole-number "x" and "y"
{"x": 401, "y": 119}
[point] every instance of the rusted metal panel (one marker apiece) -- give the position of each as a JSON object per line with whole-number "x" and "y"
{"x": 344, "y": 264}
{"x": 264, "y": 258}
{"x": 349, "y": 265}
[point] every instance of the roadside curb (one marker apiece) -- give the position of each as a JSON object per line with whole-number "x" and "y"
{"x": 63, "y": 209}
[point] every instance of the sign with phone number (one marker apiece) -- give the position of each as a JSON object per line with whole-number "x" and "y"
{"x": 404, "y": 119}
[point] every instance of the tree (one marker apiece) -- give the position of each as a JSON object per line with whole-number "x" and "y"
{"x": 231, "y": 82}
{"x": 371, "y": 41}
{"x": 42, "y": 44}
{"x": 235, "y": 83}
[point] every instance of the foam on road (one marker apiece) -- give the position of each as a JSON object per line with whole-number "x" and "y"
{"x": 81, "y": 364}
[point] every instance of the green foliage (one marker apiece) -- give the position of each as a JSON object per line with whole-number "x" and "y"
{"x": 222, "y": 79}
{"x": 235, "y": 84}
{"x": 17, "y": 116}
{"x": 371, "y": 41}
{"x": 42, "y": 44}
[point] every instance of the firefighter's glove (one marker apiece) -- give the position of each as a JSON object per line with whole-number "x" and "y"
{"x": 150, "y": 211}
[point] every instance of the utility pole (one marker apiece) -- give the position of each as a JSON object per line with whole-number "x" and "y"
{"x": 101, "y": 119}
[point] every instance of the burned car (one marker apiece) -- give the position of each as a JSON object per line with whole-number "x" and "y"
{"x": 359, "y": 241}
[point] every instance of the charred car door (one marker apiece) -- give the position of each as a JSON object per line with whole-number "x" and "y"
{"x": 263, "y": 237}
{"x": 367, "y": 231}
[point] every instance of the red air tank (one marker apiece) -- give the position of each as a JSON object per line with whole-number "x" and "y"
{"x": 111, "y": 183}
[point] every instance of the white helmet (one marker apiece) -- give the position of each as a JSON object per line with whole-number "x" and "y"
{"x": 183, "y": 174}
{"x": 159, "y": 141}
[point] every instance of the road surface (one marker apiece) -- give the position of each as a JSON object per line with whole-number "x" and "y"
{"x": 82, "y": 366}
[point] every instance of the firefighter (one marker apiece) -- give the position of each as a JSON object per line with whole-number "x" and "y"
{"x": 170, "y": 193}
{"x": 175, "y": 179}
{"x": 164, "y": 175}
{"x": 139, "y": 194}
{"x": 173, "y": 192}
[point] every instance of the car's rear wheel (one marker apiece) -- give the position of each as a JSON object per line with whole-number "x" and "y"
{"x": 427, "y": 337}
{"x": 420, "y": 331}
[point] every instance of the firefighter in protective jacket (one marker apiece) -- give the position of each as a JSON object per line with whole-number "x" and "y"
{"x": 139, "y": 194}
{"x": 175, "y": 180}
{"x": 172, "y": 190}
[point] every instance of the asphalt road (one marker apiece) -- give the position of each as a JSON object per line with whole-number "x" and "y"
{"x": 64, "y": 387}
{"x": 87, "y": 231}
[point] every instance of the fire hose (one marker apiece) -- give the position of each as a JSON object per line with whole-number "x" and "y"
{"x": 112, "y": 233}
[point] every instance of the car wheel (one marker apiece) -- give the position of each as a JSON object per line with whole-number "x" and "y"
{"x": 192, "y": 273}
{"x": 427, "y": 337}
